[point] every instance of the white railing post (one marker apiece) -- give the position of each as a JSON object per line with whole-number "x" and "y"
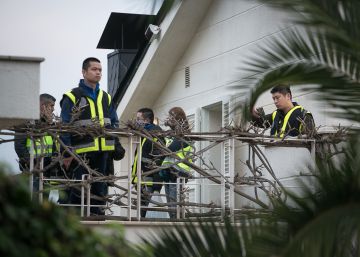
{"x": 182, "y": 197}
{"x": 82, "y": 200}
{"x": 227, "y": 178}
{"x": 130, "y": 158}
{"x": 138, "y": 173}
{"x": 31, "y": 169}
{"x": 222, "y": 186}
{"x": 178, "y": 198}
{"x": 231, "y": 178}
{"x": 88, "y": 195}
{"x": 41, "y": 180}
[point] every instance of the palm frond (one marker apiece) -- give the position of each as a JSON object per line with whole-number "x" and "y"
{"x": 293, "y": 46}
{"x": 334, "y": 17}
{"x": 328, "y": 212}
{"x": 326, "y": 55}
{"x": 337, "y": 89}
{"x": 333, "y": 233}
{"x": 199, "y": 239}
{"x": 321, "y": 220}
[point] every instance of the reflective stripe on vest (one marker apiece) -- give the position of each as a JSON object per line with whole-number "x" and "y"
{"x": 107, "y": 121}
{"x": 286, "y": 120}
{"x": 42, "y": 146}
{"x": 145, "y": 180}
{"x": 182, "y": 154}
{"x": 94, "y": 146}
{"x": 71, "y": 96}
{"x": 109, "y": 97}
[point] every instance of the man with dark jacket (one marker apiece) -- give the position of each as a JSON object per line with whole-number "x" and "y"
{"x": 84, "y": 106}
{"x": 290, "y": 119}
{"x": 150, "y": 157}
{"x": 42, "y": 147}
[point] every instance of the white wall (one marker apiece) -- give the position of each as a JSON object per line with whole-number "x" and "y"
{"x": 20, "y": 86}
{"x": 228, "y": 35}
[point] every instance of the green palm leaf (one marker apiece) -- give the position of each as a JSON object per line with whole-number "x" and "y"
{"x": 337, "y": 89}
{"x": 199, "y": 239}
{"x": 322, "y": 220}
{"x": 325, "y": 220}
{"x": 325, "y": 56}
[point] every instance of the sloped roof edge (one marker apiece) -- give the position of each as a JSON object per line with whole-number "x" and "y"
{"x": 124, "y": 31}
{"x": 177, "y": 30}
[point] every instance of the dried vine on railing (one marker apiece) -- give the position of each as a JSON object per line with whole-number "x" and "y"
{"x": 202, "y": 167}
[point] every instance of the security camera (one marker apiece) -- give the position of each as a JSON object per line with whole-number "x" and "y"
{"x": 152, "y": 32}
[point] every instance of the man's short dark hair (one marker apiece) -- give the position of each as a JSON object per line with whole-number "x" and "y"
{"x": 147, "y": 114}
{"x": 86, "y": 62}
{"x": 282, "y": 89}
{"x": 45, "y": 98}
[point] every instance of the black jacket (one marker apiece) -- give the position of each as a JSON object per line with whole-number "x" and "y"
{"x": 297, "y": 118}
{"x": 150, "y": 150}
{"x": 117, "y": 155}
{"x": 24, "y": 155}
{"x": 151, "y": 156}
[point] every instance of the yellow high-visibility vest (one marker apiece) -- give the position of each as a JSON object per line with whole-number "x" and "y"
{"x": 97, "y": 143}
{"x": 182, "y": 154}
{"x": 145, "y": 180}
{"x": 281, "y": 133}
{"x": 42, "y": 146}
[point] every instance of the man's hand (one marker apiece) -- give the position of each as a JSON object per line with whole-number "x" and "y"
{"x": 67, "y": 161}
{"x": 255, "y": 113}
{"x": 258, "y": 113}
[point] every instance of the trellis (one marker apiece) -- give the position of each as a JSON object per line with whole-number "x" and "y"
{"x": 128, "y": 198}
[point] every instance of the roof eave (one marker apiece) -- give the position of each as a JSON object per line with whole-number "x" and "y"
{"x": 177, "y": 30}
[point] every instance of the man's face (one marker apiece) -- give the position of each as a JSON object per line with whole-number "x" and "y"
{"x": 281, "y": 101}
{"x": 140, "y": 119}
{"x": 47, "y": 110}
{"x": 93, "y": 73}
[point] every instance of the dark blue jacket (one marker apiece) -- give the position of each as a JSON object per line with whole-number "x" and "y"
{"x": 66, "y": 109}
{"x": 293, "y": 127}
{"x": 23, "y": 152}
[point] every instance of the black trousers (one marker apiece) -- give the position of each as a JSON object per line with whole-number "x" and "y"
{"x": 146, "y": 189}
{"x": 96, "y": 161}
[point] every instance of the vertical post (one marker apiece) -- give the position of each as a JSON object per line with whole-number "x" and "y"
{"x": 129, "y": 176}
{"x": 88, "y": 195}
{"x": 313, "y": 151}
{"x": 41, "y": 180}
{"x": 182, "y": 197}
{"x": 313, "y": 160}
{"x": 82, "y": 196}
{"x": 178, "y": 198}
{"x": 138, "y": 173}
{"x": 31, "y": 177}
{"x": 223, "y": 173}
{"x": 227, "y": 173}
{"x": 231, "y": 178}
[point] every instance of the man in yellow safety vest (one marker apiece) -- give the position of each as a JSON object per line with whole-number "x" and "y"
{"x": 40, "y": 147}
{"x": 150, "y": 158}
{"x": 290, "y": 119}
{"x": 94, "y": 107}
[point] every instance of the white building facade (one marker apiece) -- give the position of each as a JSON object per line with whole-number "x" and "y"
{"x": 199, "y": 55}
